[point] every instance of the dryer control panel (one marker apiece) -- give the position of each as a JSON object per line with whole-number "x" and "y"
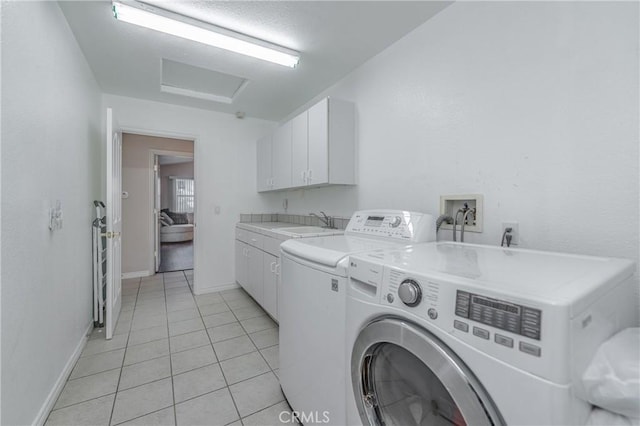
{"x": 497, "y": 313}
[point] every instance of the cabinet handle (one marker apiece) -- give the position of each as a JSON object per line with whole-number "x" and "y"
{"x": 277, "y": 272}
{"x": 310, "y": 178}
{"x": 273, "y": 267}
{"x": 304, "y": 176}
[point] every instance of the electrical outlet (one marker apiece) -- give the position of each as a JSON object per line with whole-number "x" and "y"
{"x": 515, "y": 231}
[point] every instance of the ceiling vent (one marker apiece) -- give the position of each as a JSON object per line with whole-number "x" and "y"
{"x": 201, "y": 83}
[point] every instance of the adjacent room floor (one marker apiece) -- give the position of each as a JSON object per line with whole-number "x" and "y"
{"x": 177, "y": 359}
{"x": 176, "y": 256}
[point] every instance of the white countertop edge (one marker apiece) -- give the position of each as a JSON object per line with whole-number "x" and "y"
{"x": 270, "y": 229}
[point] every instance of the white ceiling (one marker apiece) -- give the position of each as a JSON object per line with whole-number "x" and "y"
{"x": 333, "y": 37}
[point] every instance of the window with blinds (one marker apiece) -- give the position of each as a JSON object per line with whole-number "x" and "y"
{"x": 183, "y": 195}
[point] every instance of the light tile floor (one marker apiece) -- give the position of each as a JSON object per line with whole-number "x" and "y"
{"x": 176, "y": 359}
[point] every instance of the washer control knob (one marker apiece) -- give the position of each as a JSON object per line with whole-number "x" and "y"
{"x": 433, "y": 314}
{"x": 410, "y": 293}
{"x": 390, "y": 298}
{"x": 396, "y": 222}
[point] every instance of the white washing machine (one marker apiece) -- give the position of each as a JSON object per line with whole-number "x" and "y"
{"x": 450, "y": 333}
{"x": 311, "y": 307}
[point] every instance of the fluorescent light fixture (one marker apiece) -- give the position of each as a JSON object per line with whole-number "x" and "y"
{"x": 167, "y": 22}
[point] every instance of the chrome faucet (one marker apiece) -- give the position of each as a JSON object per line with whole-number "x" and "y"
{"x": 327, "y": 220}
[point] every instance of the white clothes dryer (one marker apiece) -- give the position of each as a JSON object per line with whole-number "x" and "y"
{"x": 311, "y": 307}
{"x": 450, "y": 333}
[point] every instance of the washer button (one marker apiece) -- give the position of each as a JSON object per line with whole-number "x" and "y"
{"x": 530, "y": 349}
{"x": 503, "y": 340}
{"x": 433, "y": 314}
{"x": 462, "y": 326}
{"x": 390, "y": 298}
{"x": 481, "y": 332}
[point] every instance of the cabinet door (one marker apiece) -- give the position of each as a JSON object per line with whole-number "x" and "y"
{"x": 281, "y": 159}
{"x": 270, "y": 296}
{"x": 263, "y": 154}
{"x": 255, "y": 282}
{"x": 319, "y": 143}
{"x": 299, "y": 150}
{"x": 241, "y": 264}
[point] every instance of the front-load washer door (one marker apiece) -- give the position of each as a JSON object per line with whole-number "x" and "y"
{"x": 403, "y": 375}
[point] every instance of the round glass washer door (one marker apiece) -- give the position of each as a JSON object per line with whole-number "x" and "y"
{"x": 403, "y": 375}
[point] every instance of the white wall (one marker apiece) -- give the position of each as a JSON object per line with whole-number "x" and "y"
{"x": 534, "y": 105}
{"x": 137, "y": 217}
{"x": 182, "y": 170}
{"x": 51, "y": 139}
{"x": 225, "y": 174}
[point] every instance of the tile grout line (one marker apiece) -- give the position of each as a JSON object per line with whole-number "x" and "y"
{"x": 266, "y": 362}
{"x": 262, "y": 356}
{"x": 173, "y": 394}
{"x": 224, "y": 377}
{"x": 113, "y": 407}
{"x": 259, "y": 350}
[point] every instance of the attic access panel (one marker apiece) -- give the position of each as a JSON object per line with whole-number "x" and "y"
{"x": 187, "y": 80}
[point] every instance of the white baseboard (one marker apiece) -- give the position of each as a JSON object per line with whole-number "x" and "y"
{"x": 136, "y": 274}
{"x": 62, "y": 379}
{"x": 199, "y": 291}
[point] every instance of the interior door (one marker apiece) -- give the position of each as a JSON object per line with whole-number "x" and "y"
{"x": 156, "y": 211}
{"x": 114, "y": 224}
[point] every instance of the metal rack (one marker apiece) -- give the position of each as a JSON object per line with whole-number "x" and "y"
{"x": 99, "y": 227}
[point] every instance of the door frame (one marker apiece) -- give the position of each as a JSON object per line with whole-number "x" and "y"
{"x": 153, "y": 153}
{"x": 170, "y": 135}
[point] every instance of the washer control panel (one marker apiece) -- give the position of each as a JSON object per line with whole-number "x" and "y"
{"x": 395, "y": 224}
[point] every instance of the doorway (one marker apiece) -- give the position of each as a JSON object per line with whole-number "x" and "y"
{"x": 174, "y": 207}
{"x": 141, "y": 207}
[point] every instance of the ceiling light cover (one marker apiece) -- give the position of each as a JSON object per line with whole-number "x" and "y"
{"x": 181, "y": 26}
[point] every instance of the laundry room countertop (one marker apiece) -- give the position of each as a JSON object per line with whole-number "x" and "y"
{"x": 285, "y": 230}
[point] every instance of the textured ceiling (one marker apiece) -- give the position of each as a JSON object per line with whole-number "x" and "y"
{"x": 333, "y": 37}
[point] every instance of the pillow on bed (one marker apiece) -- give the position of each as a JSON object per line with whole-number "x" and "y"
{"x": 178, "y": 218}
{"x": 164, "y": 222}
{"x": 166, "y": 218}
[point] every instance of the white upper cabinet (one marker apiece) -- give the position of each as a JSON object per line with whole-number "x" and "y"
{"x": 281, "y": 158}
{"x": 315, "y": 148}
{"x": 264, "y": 173}
{"x": 318, "y": 164}
{"x": 299, "y": 149}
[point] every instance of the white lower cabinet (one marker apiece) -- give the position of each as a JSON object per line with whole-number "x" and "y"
{"x": 242, "y": 265}
{"x": 254, "y": 279}
{"x": 257, "y": 267}
{"x": 270, "y": 279}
